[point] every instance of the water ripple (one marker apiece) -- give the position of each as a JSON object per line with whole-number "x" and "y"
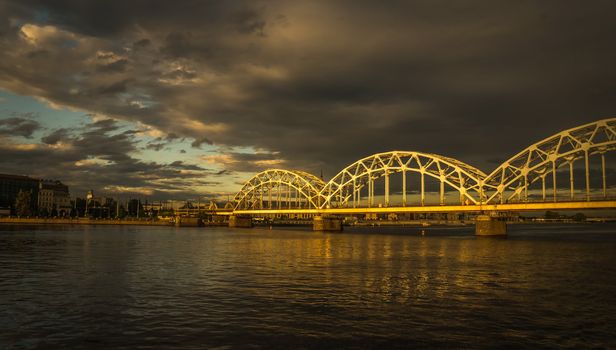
{"x": 158, "y": 288}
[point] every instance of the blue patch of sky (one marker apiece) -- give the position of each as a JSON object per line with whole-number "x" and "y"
{"x": 14, "y": 105}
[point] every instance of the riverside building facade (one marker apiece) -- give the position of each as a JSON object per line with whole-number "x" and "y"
{"x": 47, "y": 197}
{"x": 53, "y": 198}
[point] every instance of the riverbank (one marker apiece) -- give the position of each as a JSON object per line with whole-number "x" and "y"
{"x": 194, "y": 222}
{"x": 81, "y": 221}
{"x": 184, "y": 222}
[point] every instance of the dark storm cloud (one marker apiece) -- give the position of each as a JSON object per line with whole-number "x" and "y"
{"x": 56, "y": 136}
{"x": 321, "y": 84}
{"x": 37, "y": 54}
{"x": 142, "y": 43}
{"x": 238, "y": 161}
{"x": 178, "y": 164}
{"x": 102, "y": 126}
{"x": 159, "y": 143}
{"x": 112, "y": 18}
{"x": 154, "y": 146}
{"x": 111, "y": 89}
{"x": 17, "y": 126}
{"x": 198, "y": 142}
{"x": 113, "y": 67}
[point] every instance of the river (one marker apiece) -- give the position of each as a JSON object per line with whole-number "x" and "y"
{"x": 127, "y": 287}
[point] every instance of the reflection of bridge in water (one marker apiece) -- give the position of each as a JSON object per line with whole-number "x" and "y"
{"x": 569, "y": 170}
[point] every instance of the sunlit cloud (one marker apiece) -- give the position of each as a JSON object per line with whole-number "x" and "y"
{"x": 37, "y": 35}
{"x": 125, "y": 189}
{"x": 92, "y": 161}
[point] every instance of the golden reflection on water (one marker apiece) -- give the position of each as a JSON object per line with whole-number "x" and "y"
{"x": 377, "y": 268}
{"x": 383, "y": 268}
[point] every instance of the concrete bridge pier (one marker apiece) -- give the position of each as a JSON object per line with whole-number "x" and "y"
{"x": 490, "y": 226}
{"x": 240, "y": 221}
{"x": 324, "y": 223}
{"x": 187, "y": 222}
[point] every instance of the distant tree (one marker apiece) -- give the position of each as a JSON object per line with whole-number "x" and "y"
{"x": 122, "y": 213}
{"x": 22, "y": 203}
{"x": 135, "y": 208}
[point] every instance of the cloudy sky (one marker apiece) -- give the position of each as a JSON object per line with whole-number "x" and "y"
{"x": 178, "y": 99}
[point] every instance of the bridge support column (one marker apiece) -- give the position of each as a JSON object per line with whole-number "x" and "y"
{"x": 486, "y": 225}
{"x": 321, "y": 223}
{"x": 240, "y": 221}
{"x": 188, "y": 222}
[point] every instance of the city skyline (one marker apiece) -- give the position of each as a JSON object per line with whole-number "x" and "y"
{"x": 176, "y": 102}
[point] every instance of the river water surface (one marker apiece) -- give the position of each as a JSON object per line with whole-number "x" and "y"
{"x": 122, "y": 287}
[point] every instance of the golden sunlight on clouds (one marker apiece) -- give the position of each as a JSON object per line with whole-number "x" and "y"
{"x": 146, "y": 191}
{"x": 22, "y": 146}
{"x": 269, "y": 163}
{"x": 149, "y": 130}
{"x": 106, "y": 57}
{"x": 54, "y": 105}
{"x": 177, "y": 73}
{"x": 36, "y": 35}
{"x": 204, "y": 128}
{"x": 219, "y": 159}
{"x": 92, "y": 161}
{"x": 61, "y": 146}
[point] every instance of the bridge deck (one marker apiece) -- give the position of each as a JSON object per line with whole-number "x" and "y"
{"x": 609, "y": 204}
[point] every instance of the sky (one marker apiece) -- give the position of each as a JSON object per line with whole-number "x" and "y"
{"x": 188, "y": 99}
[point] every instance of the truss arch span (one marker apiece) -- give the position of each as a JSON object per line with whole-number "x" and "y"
{"x": 346, "y": 187}
{"x": 541, "y": 161}
{"x": 278, "y": 189}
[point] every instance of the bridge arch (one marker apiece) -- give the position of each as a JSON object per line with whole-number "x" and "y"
{"x": 278, "y": 189}
{"x": 540, "y": 163}
{"x": 345, "y": 188}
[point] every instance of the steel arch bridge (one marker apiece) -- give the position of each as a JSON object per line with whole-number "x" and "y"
{"x": 347, "y": 185}
{"x": 278, "y": 189}
{"x": 271, "y": 188}
{"x": 543, "y": 159}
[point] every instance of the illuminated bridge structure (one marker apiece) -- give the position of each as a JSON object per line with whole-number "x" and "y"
{"x": 565, "y": 171}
